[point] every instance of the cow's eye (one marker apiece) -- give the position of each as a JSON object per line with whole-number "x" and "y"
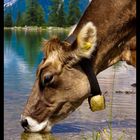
{"x": 48, "y": 78}
{"x": 44, "y": 59}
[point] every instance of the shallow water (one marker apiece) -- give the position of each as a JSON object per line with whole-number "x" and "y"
{"x": 21, "y": 57}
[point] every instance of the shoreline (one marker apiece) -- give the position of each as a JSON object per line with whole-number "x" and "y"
{"x": 37, "y": 29}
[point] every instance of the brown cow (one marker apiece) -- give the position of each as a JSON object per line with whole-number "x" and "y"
{"x": 66, "y": 86}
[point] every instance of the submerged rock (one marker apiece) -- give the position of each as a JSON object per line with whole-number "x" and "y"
{"x": 125, "y": 92}
{"x": 133, "y": 85}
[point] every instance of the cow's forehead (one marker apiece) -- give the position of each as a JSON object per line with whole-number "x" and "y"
{"x": 52, "y": 57}
{"x": 51, "y": 45}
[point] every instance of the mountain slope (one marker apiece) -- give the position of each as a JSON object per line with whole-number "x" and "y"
{"x": 14, "y": 6}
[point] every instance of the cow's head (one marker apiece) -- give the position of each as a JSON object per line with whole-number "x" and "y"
{"x": 57, "y": 90}
{"x": 59, "y": 54}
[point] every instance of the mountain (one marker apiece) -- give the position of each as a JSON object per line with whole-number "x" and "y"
{"x": 14, "y": 6}
{"x": 8, "y": 3}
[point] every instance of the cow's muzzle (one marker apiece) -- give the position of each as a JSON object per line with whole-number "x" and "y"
{"x": 24, "y": 123}
{"x": 31, "y": 125}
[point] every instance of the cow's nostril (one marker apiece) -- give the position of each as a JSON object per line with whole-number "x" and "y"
{"x": 48, "y": 78}
{"x": 24, "y": 123}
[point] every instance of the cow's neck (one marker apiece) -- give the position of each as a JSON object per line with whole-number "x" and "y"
{"x": 115, "y": 22}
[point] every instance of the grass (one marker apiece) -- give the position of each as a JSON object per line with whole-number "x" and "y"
{"x": 104, "y": 134}
{"x": 107, "y": 133}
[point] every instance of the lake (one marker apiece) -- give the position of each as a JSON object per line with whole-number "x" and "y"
{"x": 22, "y": 54}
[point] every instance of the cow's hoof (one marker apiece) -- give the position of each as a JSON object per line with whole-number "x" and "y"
{"x": 96, "y": 103}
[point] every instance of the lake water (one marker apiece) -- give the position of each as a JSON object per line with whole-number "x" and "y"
{"x": 21, "y": 57}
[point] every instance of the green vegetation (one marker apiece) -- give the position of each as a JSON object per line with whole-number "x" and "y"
{"x": 61, "y": 16}
{"x": 35, "y": 15}
{"x": 107, "y": 133}
{"x": 74, "y": 13}
{"x": 103, "y": 135}
{"x": 19, "y": 21}
{"x": 58, "y": 17}
{"x": 57, "y": 14}
{"x": 8, "y": 22}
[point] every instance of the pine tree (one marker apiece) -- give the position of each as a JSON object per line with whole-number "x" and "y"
{"x": 8, "y": 22}
{"x": 57, "y": 15}
{"x": 40, "y": 15}
{"x": 19, "y": 19}
{"x": 34, "y": 14}
{"x": 53, "y": 14}
{"x": 61, "y": 16}
{"x": 73, "y": 12}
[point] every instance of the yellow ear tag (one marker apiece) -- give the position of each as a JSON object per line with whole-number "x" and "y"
{"x": 87, "y": 46}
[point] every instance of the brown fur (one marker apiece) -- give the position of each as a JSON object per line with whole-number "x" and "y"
{"x": 53, "y": 44}
{"x": 116, "y": 24}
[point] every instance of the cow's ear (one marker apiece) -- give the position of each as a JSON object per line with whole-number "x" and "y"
{"x": 80, "y": 46}
{"x": 86, "y": 40}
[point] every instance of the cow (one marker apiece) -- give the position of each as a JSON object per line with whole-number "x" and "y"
{"x": 106, "y": 32}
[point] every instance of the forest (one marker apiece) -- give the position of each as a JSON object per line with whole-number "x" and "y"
{"x": 34, "y": 15}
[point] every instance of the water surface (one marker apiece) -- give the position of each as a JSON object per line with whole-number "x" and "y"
{"x": 21, "y": 57}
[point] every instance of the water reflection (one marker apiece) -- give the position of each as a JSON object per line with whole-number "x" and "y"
{"x": 37, "y": 136}
{"x": 7, "y": 36}
{"x": 28, "y": 45}
{"x": 22, "y": 54}
{"x": 21, "y": 57}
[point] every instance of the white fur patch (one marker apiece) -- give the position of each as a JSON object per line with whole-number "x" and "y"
{"x": 87, "y": 35}
{"x": 34, "y": 126}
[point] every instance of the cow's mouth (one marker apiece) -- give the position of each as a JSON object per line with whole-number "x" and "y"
{"x": 31, "y": 125}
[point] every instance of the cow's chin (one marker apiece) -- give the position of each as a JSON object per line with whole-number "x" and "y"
{"x": 34, "y": 126}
